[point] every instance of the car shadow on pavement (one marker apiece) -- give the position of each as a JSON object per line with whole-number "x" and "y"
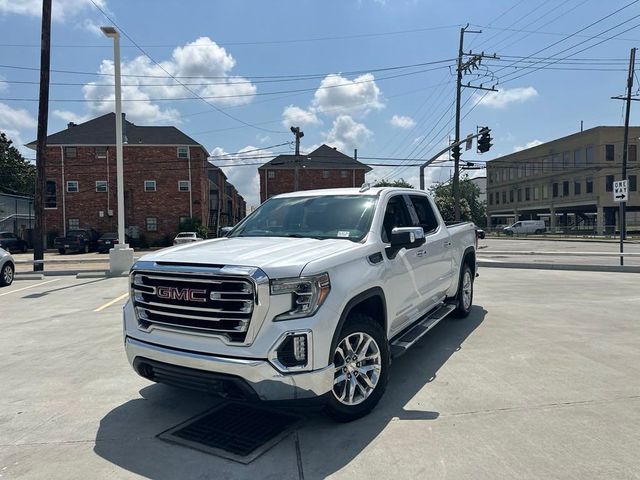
{"x": 127, "y": 435}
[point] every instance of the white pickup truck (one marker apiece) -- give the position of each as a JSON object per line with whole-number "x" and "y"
{"x": 309, "y": 297}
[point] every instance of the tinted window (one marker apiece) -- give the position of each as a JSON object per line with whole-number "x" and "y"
{"x": 609, "y": 152}
{"x": 426, "y": 217}
{"x": 609, "y": 183}
{"x": 395, "y": 215}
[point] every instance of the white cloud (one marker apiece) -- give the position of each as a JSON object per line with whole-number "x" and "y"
{"x": 61, "y": 11}
{"x": 245, "y": 179}
{"x": 402, "y": 121}
{"x": 347, "y": 134}
{"x": 338, "y": 95}
{"x": 293, "y": 116}
{"x": 531, "y": 144}
{"x": 144, "y": 81}
{"x": 13, "y": 118}
{"x": 506, "y": 96}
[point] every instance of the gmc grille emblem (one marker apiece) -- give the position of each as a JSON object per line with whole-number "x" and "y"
{"x": 186, "y": 294}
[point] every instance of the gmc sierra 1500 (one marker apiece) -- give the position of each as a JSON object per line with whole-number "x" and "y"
{"x": 310, "y": 296}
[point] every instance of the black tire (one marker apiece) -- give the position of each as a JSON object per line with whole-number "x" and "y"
{"x": 61, "y": 251}
{"x": 24, "y": 248}
{"x": 539, "y": 232}
{"x": 7, "y": 274}
{"x": 509, "y": 233}
{"x": 463, "y": 309}
{"x": 361, "y": 323}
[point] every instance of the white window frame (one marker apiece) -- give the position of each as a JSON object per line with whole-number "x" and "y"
{"x": 98, "y": 155}
{"x": 182, "y": 156}
{"x": 155, "y": 188}
{"x": 106, "y": 186}
{"x": 72, "y": 182}
{"x": 69, "y": 149}
{"x": 146, "y": 224}
{"x": 271, "y": 174}
{"x": 180, "y": 182}
{"x": 76, "y": 223}
{"x": 344, "y": 173}
{"x": 325, "y": 173}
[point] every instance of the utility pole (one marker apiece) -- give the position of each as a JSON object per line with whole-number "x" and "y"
{"x": 43, "y": 116}
{"x": 296, "y": 162}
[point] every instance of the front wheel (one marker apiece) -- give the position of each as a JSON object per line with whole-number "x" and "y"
{"x": 464, "y": 298}
{"x": 6, "y": 276}
{"x": 361, "y": 360}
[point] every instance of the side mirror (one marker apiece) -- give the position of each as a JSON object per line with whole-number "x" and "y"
{"x": 405, "y": 237}
{"x": 224, "y": 231}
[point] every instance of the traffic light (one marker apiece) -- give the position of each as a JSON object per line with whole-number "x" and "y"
{"x": 484, "y": 141}
{"x": 455, "y": 151}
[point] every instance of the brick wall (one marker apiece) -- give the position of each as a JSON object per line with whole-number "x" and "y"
{"x": 308, "y": 179}
{"x": 159, "y": 163}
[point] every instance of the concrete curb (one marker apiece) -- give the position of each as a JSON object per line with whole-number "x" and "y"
{"x": 28, "y": 276}
{"x": 560, "y": 266}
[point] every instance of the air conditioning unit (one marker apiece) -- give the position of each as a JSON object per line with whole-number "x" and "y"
{"x": 101, "y": 213}
{"x": 110, "y": 213}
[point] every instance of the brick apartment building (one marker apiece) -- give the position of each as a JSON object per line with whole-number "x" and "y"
{"x": 568, "y": 182}
{"x": 165, "y": 179}
{"x": 325, "y": 167}
{"x": 226, "y": 206}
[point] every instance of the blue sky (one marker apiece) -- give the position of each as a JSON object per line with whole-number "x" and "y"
{"x": 340, "y": 53}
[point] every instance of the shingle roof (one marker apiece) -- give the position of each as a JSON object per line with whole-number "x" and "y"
{"x": 102, "y": 131}
{"x": 324, "y": 157}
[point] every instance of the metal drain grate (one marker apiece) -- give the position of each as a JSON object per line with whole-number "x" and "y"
{"x": 237, "y": 431}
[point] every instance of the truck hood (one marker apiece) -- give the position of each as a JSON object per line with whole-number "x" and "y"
{"x": 278, "y": 257}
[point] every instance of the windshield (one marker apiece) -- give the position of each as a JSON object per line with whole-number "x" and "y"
{"x": 186, "y": 234}
{"x": 339, "y": 216}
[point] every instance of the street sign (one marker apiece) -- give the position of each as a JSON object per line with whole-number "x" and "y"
{"x": 469, "y": 143}
{"x": 620, "y": 192}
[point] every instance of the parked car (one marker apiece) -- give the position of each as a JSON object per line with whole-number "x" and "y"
{"x": 108, "y": 240}
{"x": 526, "y": 226}
{"x": 7, "y": 268}
{"x": 307, "y": 299}
{"x": 84, "y": 241}
{"x": 12, "y": 243}
{"x": 480, "y": 233}
{"x": 186, "y": 237}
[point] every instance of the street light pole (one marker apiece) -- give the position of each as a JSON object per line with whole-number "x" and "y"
{"x": 121, "y": 256}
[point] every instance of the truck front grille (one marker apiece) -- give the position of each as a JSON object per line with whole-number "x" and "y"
{"x": 208, "y": 304}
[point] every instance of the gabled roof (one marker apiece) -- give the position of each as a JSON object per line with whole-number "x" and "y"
{"x": 102, "y": 131}
{"x": 324, "y": 157}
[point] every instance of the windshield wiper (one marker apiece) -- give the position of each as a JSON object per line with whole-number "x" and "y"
{"x": 300, "y": 235}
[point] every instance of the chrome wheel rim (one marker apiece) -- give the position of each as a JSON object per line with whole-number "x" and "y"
{"x": 7, "y": 274}
{"x": 358, "y": 365}
{"x": 467, "y": 287}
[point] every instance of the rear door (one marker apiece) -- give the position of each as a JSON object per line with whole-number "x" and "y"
{"x": 434, "y": 259}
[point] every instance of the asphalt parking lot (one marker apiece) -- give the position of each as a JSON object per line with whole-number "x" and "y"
{"x": 541, "y": 381}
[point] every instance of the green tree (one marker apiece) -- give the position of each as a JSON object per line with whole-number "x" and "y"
{"x": 402, "y": 183}
{"x": 471, "y": 208}
{"x": 17, "y": 175}
{"x": 194, "y": 225}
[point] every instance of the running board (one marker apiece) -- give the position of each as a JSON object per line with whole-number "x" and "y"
{"x": 401, "y": 344}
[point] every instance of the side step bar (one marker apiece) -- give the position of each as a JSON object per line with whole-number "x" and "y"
{"x": 405, "y": 341}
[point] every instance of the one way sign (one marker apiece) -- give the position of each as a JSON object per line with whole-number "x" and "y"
{"x": 620, "y": 191}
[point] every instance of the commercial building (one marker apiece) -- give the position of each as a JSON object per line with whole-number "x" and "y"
{"x": 568, "y": 182}
{"x": 325, "y": 167}
{"x": 16, "y": 215}
{"x": 166, "y": 180}
{"x": 226, "y": 206}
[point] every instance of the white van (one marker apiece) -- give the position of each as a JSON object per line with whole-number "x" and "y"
{"x": 526, "y": 226}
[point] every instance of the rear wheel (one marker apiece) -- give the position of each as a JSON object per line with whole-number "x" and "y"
{"x": 361, "y": 360}
{"x": 6, "y": 276}
{"x": 464, "y": 298}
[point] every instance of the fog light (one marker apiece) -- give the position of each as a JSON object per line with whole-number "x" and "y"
{"x": 300, "y": 348}
{"x": 293, "y": 352}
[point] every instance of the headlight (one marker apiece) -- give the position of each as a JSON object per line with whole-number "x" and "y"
{"x": 307, "y": 294}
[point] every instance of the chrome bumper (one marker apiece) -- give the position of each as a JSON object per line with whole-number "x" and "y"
{"x": 262, "y": 377}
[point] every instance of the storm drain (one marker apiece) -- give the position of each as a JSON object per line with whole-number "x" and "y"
{"x": 237, "y": 431}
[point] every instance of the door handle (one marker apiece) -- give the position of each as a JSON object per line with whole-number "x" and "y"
{"x": 421, "y": 253}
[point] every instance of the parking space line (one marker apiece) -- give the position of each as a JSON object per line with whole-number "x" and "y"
{"x": 30, "y": 286}
{"x": 111, "y": 302}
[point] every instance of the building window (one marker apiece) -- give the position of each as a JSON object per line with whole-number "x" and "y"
{"x": 511, "y": 196}
{"x": 50, "y": 197}
{"x": 527, "y": 194}
{"x": 545, "y": 192}
{"x": 520, "y": 171}
{"x": 546, "y": 164}
{"x": 556, "y": 160}
{"x": 491, "y": 199}
{"x": 152, "y": 224}
{"x": 344, "y": 173}
{"x": 504, "y": 197}
{"x": 149, "y": 185}
{"x": 589, "y": 185}
{"x": 577, "y": 187}
{"x": 70, "y": 152}
{"x": 609, "y": 152}
{"x": 633, "y": 183}
{"x": 512, "y": 173}
{"x": 497, "y": 198}
{"x": 577, "y": 157}
{"x": 555, "y": 190}
{"x": 566, "y": 160}
{"x": 72, "y": 186}
{"x": 565, "y": 188}
{"x": 536, "y": 193}
{"x": 183, "y": 186}
{"x": 609, "y": 183}
{"x": 632, "y": 152}
{"x": 271, "y": 174}
{"x": 519, "y": 195}
{"x": 589, "y": 154}
{"x": 325, "y": 174}
{"x": 102, "y": 186}
{"x": 183, "y": 152}
{"x": 101, "y": 152}
{"x": 74, "y": 224}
